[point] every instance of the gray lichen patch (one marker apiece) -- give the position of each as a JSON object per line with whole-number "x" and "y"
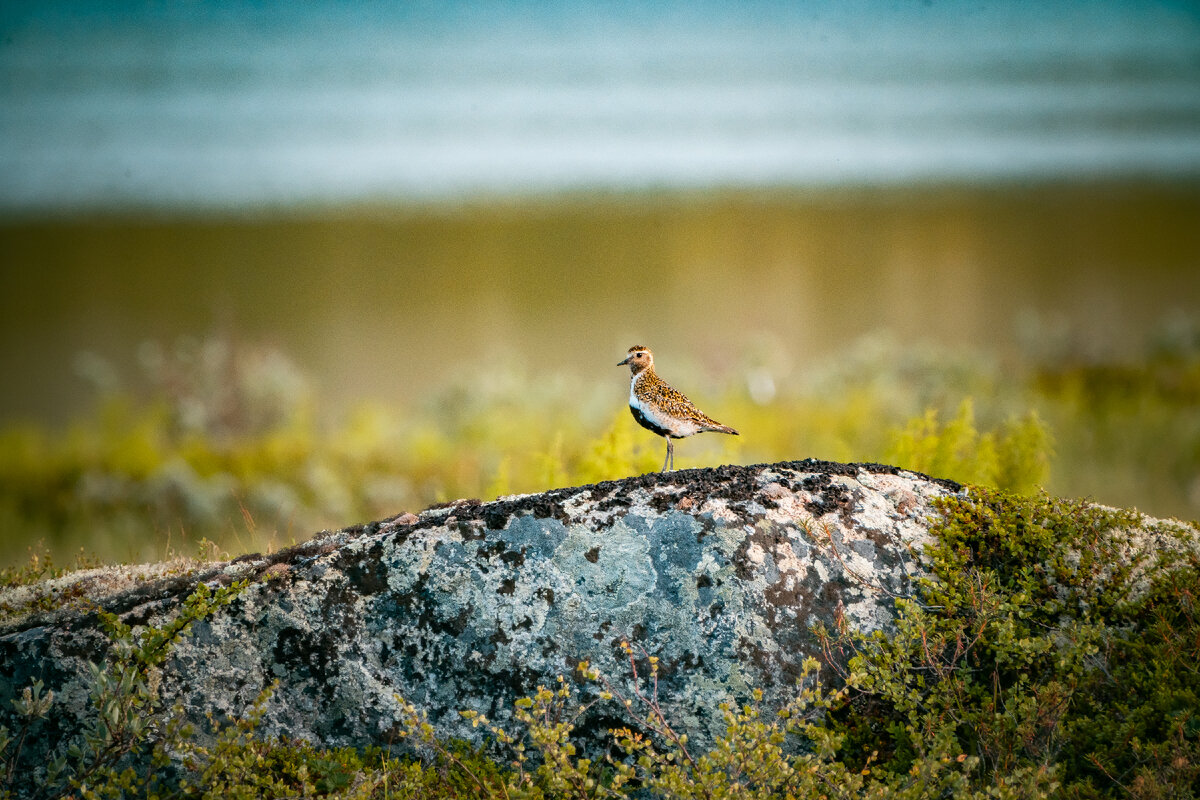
{"x": 721, "y": 574}
{"x": 78, "y": 589}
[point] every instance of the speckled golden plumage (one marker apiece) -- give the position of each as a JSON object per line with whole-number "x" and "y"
{"x": 654, "y": 391}
{"x": 660, "y": 408}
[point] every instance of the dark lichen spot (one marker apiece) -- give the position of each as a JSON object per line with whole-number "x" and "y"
{"x": 496, "y": 514}
{"x": 548, "y": 508}
{"x": 593, "y": 555}
{"x": 304, "y": 654}
{"x": 434, "y": 622}
{"x": 781, "y": 600}
{"x": 703, "y": 581}
{"x": 496, "y": 517}
{"x": 339, "y": 608}
{"x": 661, "y": 502}
{"x": 546, "y": 594}
{"x": 743, "y": 567}
{"x": 827, "y": 496}
{"x": 365, "y": 571}
{"x": 487, "y": 552}
{"x": 472, "y": 530}
{"x": 507, "y": 586}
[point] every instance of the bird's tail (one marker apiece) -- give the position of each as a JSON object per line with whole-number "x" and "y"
{"x": 717, "y": 427}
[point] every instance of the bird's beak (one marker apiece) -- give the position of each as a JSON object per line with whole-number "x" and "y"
{"x": 623, "y": 363}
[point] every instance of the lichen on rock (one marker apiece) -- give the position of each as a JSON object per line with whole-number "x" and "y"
{"x": 721, "y": 574}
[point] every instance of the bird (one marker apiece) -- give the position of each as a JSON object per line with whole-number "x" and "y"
{"x": 662, "y": 409}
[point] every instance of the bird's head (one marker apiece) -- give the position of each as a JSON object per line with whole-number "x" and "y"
{"x": 639, "y": 358}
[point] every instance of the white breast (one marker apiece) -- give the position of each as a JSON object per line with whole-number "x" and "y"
{"x": 633, "y": 398}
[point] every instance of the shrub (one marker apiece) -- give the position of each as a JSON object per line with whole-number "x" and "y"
{"x": 1016, "y": 457}
{"x": 1040, "y": 647}
{"x": 119, "y": 747}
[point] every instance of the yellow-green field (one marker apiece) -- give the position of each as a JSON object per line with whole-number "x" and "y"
{"x": 224, "y": 444}
{"x": 247, "y": 381}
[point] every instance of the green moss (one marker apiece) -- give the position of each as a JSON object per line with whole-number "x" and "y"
{"x": 1052, "y": 639}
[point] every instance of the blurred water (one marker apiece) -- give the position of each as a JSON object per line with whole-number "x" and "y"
{"x": 227, "y": 104}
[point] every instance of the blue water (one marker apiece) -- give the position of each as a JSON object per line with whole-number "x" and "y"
{"x": 240, "y": 105}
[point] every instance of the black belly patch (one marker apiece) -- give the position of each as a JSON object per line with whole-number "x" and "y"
{"x": 645, "y": 422}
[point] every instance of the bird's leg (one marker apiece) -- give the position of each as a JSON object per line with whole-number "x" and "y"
{"x": 670, "y": 455}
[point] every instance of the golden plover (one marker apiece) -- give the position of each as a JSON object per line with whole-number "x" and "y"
{"x": 659, "y": 408}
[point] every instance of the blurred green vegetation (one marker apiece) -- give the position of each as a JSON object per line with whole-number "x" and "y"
{"x": 228, "y": 443}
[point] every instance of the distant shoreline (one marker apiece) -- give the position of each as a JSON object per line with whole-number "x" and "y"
{"x": 579, "y": 199}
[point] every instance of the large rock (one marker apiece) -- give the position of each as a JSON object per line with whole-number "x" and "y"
{"x": 720, "y": 573}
